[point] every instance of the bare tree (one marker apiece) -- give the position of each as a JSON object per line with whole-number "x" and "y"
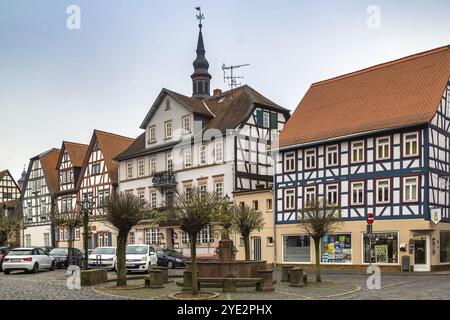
{"x": 245, "y": 219}
{"x": 10, "y": 226}
{"x": 319, "y": 219}
{"x": 124, "y": 211}
{"x": 194, "y": 211}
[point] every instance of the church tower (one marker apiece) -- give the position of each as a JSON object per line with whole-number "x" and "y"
{"x": 200, "y": 78}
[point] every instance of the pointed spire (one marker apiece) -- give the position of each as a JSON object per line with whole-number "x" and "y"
{"x": 200, "y": 78}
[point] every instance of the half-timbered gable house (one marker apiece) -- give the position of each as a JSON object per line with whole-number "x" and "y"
{"x": 9, "y": 189}
{"x": 70, "y": 163}
{"x": 218, "y": 143}
{"x": 37, "y": 199}
{"x": 372, "y": 141}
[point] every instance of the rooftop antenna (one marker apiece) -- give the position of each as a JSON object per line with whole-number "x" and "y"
{"x": 231, "y": 78}
{"x": 200, "y": 16}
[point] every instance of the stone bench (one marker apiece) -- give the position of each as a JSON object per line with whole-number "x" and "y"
{"x": 264, "y": 282}
{"x": 165, "y": 272}
{"x": 297, "y": 278}
{"x": 154, "y": 280}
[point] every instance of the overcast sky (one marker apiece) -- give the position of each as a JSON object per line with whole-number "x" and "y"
{"x": 60, "y": 84}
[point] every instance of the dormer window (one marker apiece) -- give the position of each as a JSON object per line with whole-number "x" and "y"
{"x": 167, "y": 104}
{"x": 187, "y": 124}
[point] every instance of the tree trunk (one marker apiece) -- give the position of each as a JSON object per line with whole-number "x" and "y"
{"x": 247, "y": 247}
{"x": 121, "y": 258}
{"x": 70, "y": 246}
{"x": 193, "y": 245}
{"x": 317, "y": 251}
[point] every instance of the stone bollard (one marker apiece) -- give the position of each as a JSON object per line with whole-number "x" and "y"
{"x": 267, "y": 280}
{"x": 296, "y": 277}
{"x": 187, "y": 281}
{"x": 165, "y": 273}
{"x": 285, "y": 272}
{"x": 154, "y": 280}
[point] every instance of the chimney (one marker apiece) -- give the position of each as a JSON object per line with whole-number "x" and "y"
{"x": 217, "y": 92}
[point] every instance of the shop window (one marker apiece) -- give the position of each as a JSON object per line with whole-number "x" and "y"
{"x": 383, "y": 248}
{"x": 445, "y": 247}
{"x": 336, "y": 248}
{"x": 296, "y": 249}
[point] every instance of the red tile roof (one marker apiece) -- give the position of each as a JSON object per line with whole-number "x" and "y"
{"x": 76, "y": 151}
{"x": 48, "y": 162}
{"x": 399, "y": 93}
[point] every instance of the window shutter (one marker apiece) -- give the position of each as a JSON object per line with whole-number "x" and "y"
{"x": 273, "y": 120}
{"x": 109, "y": 239}
{"x": 259, "y": 118}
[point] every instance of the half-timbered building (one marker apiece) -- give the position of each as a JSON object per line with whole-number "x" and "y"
{"x": 219, "y": 143}
{"x": 9, "y": 189}
{"x": 70, "y": 163}
{"x": 37, "y": 199}
{"x": 372, "y": 141}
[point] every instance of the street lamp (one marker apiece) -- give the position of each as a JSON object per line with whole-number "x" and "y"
{"x": 86, "y": 211}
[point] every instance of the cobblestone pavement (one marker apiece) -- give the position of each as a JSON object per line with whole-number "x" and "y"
{"x": 52, "y": 286}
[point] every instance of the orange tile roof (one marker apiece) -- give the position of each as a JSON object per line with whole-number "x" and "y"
{"x": 76, "y": 151}
{"x": 48, "y": 162}
{"x": 399, "y": 93}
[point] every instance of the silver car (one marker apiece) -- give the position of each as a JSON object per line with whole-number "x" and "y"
{"x": 28, "y": 259}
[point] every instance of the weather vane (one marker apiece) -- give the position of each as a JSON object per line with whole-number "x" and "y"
{"x": 200, "y": 15}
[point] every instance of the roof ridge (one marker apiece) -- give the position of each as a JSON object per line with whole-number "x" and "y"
{"x": 77, "y": 143}
{"x": 382, "y": 65}
{"x": 113, "y": 134}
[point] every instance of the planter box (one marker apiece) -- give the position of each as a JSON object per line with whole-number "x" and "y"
{"x": 93, "y": 277}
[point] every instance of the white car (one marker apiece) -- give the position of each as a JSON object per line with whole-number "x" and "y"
{"x": 28, "y": 259}
{"x": 139, "y": 257}
{"x": 103, "y": 257}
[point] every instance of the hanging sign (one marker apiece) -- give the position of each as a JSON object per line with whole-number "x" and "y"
{"x": 436, "y": 215}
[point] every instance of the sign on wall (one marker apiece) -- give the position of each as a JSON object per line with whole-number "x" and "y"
{"x": 436, "y": 215}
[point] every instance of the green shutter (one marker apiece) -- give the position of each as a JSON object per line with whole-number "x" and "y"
{"x": 259, "y": 118}
{"x": 273, "y": 120}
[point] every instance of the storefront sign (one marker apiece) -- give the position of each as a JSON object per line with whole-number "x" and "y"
{"x": 436, "y": 215}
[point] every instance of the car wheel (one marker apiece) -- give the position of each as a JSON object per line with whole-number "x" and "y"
{"x": 52, "y": 266}
{"x": 170, "y": 264}
{"x": 35, "y": 268}
{"x": 6, "y": 272}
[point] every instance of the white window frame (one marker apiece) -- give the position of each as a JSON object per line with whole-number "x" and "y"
{"x": 130, "y": 170}
{"x": 362, "y": 188}
{"x": 377, "y": 191}
{"x": 327, "y": 191}
{"x": 332, "y": 152}
{"x": 151, "y": 236}
{"x": 406, "y": 184}
{"x": 187, "y": 124}
{"x": 289, "y": 199}
{"x": 153, "y": 165}
{"x": 289, "y": 162}
{"x": 152, "y": 134}
{"x": 218, "y": 188}
{"x": 408, "y": 140}
{"x": 202, "y": 160}
{"x": 153, "y": 199}
{"x": 358, "y": 148}
{"x": 218, "y": 151}
{"x": 383, "y": 145}
{"x": 169, "y": 161}
{"x": 310, "y": 195}
{"x": 310, "y": 154}
{"x": 266, "y": 120}
{"x": 141, "y": 167}
{"x": 168, "y": 129}
{"x": 187, "y": 157}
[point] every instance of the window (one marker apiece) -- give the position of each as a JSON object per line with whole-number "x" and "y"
{"x": 132, "y": 238}
{"x": 289, "y": 162}
{"x": 269, "y": 204}
{"x": 152, "y": 165}
{"x": 77, "y": 234}
{"x": 310, "y": 196}
{"x": 357, "y": 193}
{"x": 102, "y": 195}
{"x": 47, "y": 239}
{"x": 269, "y": 241}
{"x": 169, "y": 162}
{"x": 152, "y": 134}
{"x": 266, "y": 120}
{"x": 96, "y": 168}
{"x": 65, "y": 157}
{"x": 130, "y": 170}
{"x": 96, "y": 146}
{"x": 202, "y": 154}
{"x": 205, "y": 235}
{"x": 188, "y": 192}
{"x": 336, "y": 248}
{"x": 167, "y": 104}
{"x": 310, "y": 159}
{"x": 410, "y": 144}
{"x": 383, "y": 248}
{"x": 444, "y": 247}
{"x": 184, "y": 237}
{"x": 141, "y": 167}
{"x": 168, "y": 129}
{"x": 218, "y": 189}
{"x": 141, "y": 197}
{"x": 151, "y": 235}
{"x": 289, "y": 199}
{"x": 332, "y": 194}
{"x": 357, "y": 151}
{"x": 202, "y": 189}
{"x": 410, "y": 189}
{"x": 383, "y": 148}
{"x": 296, "y": 249}
{"x": 255, "y": 204}
{"x": 187, "y": 157}
{"x": 187, "y": 124}
{"x": 61, "y": 234}
{"x": 153, "y": 199}
{"x": 332, "y": 156}
{"x": 218, "y": 151}
{"x": 383, "y": 191}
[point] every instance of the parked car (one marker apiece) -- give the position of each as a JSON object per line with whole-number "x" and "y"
{"x": 139, "y": 257}
{"x": 3, "y": 252}
{"x": 61, "y": 256}
{"x": 28, "y": 259}
{"x": 103, "y": 257}
{"x": 171, "y": 258}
